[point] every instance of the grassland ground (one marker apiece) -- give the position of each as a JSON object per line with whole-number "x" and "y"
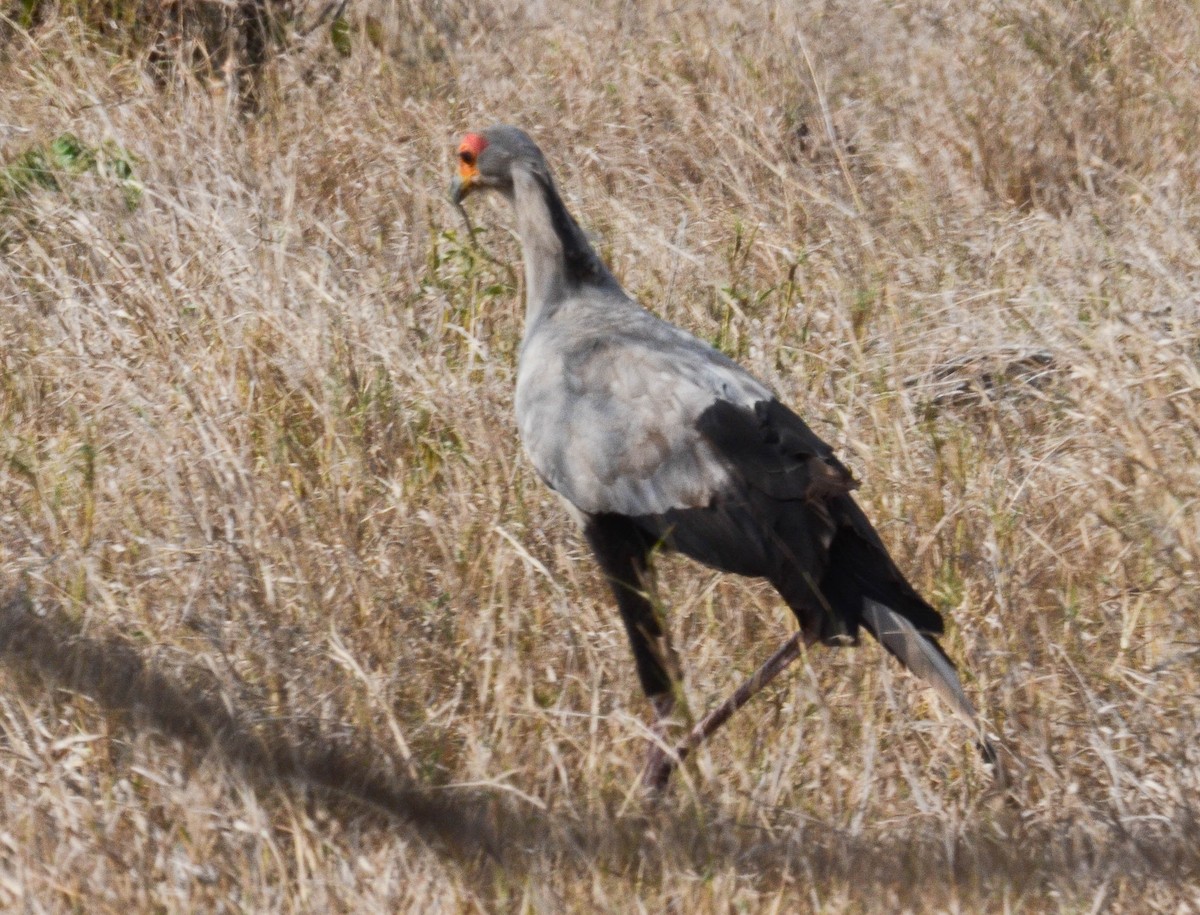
{"x": 287, "y": 622}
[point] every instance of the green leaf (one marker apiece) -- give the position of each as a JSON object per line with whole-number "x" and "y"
{"x": 339, "y": 34}
{"x": 69, "y": 155}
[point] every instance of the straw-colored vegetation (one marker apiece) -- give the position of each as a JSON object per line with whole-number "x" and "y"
{"x": 289, "y": 623}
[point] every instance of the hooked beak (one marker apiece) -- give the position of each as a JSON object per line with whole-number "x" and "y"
{"x": 463, "y": 183}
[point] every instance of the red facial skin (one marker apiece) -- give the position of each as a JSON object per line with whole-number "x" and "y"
{"x": 468, "y": 151}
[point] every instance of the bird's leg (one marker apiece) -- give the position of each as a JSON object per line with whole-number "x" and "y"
{"x": 659, "y": 763}
{"x": 623, "y": 554}
{"x": 665, "y": 763}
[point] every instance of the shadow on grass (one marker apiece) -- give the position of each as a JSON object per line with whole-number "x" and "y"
{"x": 190, "y": 707}
{"x": 482, "y": 829}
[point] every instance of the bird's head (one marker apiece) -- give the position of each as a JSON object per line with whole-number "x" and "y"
{"x": 487, "y": 160}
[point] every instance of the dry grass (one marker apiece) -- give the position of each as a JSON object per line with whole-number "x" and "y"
{"x": 301, "y": 631}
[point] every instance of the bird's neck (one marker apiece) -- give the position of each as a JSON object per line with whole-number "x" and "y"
{"x": 558, "y": 259}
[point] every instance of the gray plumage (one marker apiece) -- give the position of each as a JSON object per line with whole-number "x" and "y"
{"x": 653, "y": 437}
{"x": 609, "y": 415}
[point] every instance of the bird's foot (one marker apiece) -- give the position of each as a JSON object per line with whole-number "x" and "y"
{"x": 656, "y": 774}
{"x": 660, "y": 759}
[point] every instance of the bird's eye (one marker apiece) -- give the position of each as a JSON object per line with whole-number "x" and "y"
{"x": 467, "y": 157}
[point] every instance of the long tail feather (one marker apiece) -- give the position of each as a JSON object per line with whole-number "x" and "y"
{"x": 920, "y": 655}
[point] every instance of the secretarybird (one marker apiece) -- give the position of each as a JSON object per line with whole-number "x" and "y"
{"x": 655, "y": 439}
